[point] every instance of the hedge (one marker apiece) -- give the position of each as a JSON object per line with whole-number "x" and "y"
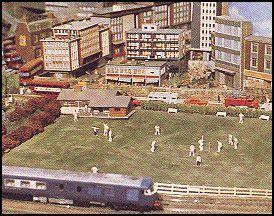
{"x": 205, "y": 110}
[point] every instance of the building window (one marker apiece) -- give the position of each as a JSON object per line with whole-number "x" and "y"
{"x": 9, "y": 182}
{"x": 25, "y": 184}
{"x": 254, "y": 47}
{"x": 61, "y": 186}
{"x": 117, "y": 109}
{"x": 254, "y": 62}
{"x": 268, "y": 50}
{"x": 78, "y": 189}
{"x": 268, "y": 64}
{"x": 40, "y": 185}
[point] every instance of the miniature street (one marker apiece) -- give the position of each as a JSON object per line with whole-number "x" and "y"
{"x": 144, "y": 107}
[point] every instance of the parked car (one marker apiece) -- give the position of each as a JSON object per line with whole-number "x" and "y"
{"x": 266, "y": 107}
{"x": 136, "y": 102}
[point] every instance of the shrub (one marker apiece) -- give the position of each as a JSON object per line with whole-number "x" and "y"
{"x": 38, "y": 103}
{"x": 37, "y": 127}
{"x": 9, "y": 143}
{"x": 4, "y": 130}
{"x": 14, "y": 116}
{"x": 53, "y": 108}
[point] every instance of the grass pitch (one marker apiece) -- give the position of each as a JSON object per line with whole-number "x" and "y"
{"x": 71, "y": 145}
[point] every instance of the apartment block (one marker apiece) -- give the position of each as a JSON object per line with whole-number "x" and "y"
{"x": 61, "y": 55}
{"x": 122, "y": 18}
{"x": 89, "y": 38}
{"x": 202, "y": 25}
{"x": 228, "y": 50}
{"x": 152, "y": 43}
{"x": 180, "y": 14}
{"x": 257, "y": 62}
{"x": 136, "y": 72}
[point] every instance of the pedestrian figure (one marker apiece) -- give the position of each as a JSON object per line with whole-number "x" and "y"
{"x": 157, "y": 130}
{"x": 94, "y": 169}
{"x": 106, "y": 129}
{"x": 198, "y": 160}
{"x": 230, "y": 139}
{"x": 86, "y": 108}
{"x": 153, "y": 146}
{"x": 10, "y": 100}
{"x": 220, "y": 146}
{"x": 75, "y": 115}
{"x": 110, "y": 135}
{"x": 236, "y": 143}
{"x": 192, "y": 150}
{"x": 209, "y": 147}
{"x": 201, "y": 144}
{"x": 219, "y": 99}
{"x": 241, "y": 118}
{"x": 95, "y": 131}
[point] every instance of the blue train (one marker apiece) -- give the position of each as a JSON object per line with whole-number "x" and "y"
{"x": 114, "y": 190}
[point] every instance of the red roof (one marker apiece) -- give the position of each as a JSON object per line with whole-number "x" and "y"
{"x": 48, "y": 83}
{"x": 31, "y": 64}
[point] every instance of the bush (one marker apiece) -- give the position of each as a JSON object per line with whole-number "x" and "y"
{"x": 37, "y": 127}
{"x": 53, "y": 108}
{"x": 38, "y": 103}
{"x": 8, "y": 143}
{"x": 14, "y": 116}
{"x": 4, "y": 130}
{"x": 205, "y": 110}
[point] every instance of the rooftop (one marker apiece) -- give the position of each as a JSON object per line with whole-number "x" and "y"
{"x": 101, "y": 178}
{"x": 261, "y": 39}
{"x": 137, "y": 63}
{"x": 77, "y": 25}
{"x": 232, "y": 19}
{"x": 159, "y": 31}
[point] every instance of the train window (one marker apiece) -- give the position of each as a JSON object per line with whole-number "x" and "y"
{"x": 132, "y": 194}
{"x": 61, "y": 186}
{"x": 25, "y": 184}
{"x": 9, "y": 182}
{"x": 109, "y": 192}
{"x": 94, "y": 191}
{"x": 40, "y": 185}
{"x": 79, "y": 189}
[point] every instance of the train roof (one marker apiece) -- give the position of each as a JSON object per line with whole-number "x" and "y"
{"x": 98, "y": 178}
{"x": 162, "y": 94}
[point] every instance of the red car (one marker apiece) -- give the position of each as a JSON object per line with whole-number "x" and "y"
{"x": 195, "y": 102}
{"x": 136, "y": 102}
{"x": 241, "y": 101}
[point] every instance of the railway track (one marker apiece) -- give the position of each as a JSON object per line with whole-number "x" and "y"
{"x": 182, "y": 205}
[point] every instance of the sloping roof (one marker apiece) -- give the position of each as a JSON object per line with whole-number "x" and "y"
{"x": 39, "y": 25}
{"x": 261, "y": 39}
{"x": 110, "y": 101}
{"x": 77, "y": 25}
{"x": 73, "y": 95}
{"x": 136, "y": 63}
{"x": 99, "y": 178}
{"x": 158, "y": 31}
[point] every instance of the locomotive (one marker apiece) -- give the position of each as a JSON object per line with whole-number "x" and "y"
{"x": 114, "y": 190}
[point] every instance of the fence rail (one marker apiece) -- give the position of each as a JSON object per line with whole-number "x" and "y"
{"x": 180, "y": 190}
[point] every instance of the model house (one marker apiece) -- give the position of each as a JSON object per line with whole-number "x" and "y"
{"x": 132, "y": 72}
{"x": 99, "y": 102}
{"x": 228, "y": 50}
{"x": 257, "y": 62}
{"x": 152, "y": 43}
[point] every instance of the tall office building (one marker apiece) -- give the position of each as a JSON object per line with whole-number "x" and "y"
{"x": 202, "y": 25}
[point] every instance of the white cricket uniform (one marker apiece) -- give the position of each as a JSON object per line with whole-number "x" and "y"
{"x": 192, "y": 150}
{"x": 220, "y": 145}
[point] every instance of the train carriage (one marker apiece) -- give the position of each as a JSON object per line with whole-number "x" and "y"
{"x": 113, "y": 190}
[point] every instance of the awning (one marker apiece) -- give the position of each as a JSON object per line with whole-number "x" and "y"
{"x": 152, "y": 80}
{"x": 112, "y": 78}
{"x": 125, "y": 80}
{"x": 138, "y": 79}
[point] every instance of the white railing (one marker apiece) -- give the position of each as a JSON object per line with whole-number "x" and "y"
{"x": 181, "y": 190}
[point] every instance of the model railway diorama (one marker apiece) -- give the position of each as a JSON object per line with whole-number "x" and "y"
{"x": 113, "y": 190}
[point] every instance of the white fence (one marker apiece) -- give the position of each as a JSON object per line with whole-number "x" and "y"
{"x": 180, "y": 190}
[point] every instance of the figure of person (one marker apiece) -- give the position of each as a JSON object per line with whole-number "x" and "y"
{"x": 198, "y": 160}
{"x": 219, "y": 99}
{"x": 241, "y": 118}
{"x": 192, "y": 150}
{"x": 157, "y": 130}
{"x": 86, "y": 108}
{"x": 94, "y": 169}
{"x": 220, "y": 146}
{"x": 75, "y": 114}
{"x": 10, "y": 100}
{"x": 230, "y": 139}
{"x": 106, "y": 129}
{"x": 201, "y": 144}
{"x": 153, "y": 146}
{"x": 110, "y": 135}
{"x": 95, "y": 131}
{"x": 235, "y": 143}
{"x": 209, "y": 147}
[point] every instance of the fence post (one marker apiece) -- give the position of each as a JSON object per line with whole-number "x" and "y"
{"x": 219, "y": 191}
{"x": 172, "y": 188}
{"x": 187, "y": 189}
{"x": 235, "y": 191}
{"x": 156, "y": 186}
{"x": 250, "y": 191}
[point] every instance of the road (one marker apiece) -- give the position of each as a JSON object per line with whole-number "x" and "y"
{"x": 182, "y": 205}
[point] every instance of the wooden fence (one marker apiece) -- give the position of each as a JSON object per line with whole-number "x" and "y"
{"x": 180, "y": 190}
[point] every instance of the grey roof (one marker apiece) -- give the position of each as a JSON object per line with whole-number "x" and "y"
{"x": 256, "y": 38}
{"x": 39, "y": 25}
{"x": 136, "y": 63}
{"x": 110, "y": 101}
{"x": 126, "y": 8}
{"x": 158, "y": 31}
{"x": 71, "y": 94}
{"x": 99, "y": 178}
{"x": 77, "y": 25}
